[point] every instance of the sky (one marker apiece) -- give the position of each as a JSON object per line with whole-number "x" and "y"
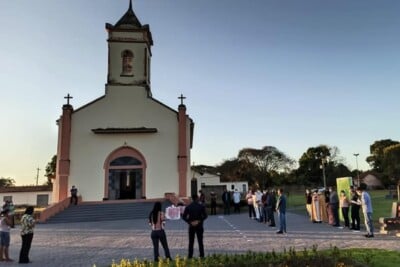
{"x": 293, "y": 74}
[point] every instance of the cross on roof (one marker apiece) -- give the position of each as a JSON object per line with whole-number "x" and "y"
{"x": 181, "y": 98}
{"x": 68, "y": 97}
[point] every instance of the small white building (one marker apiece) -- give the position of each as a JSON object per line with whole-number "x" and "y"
{"x": 27, "y": 195}
{"x": 209, "y": 179}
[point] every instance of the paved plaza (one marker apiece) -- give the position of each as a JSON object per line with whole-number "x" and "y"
{"x": 86, "y": 244}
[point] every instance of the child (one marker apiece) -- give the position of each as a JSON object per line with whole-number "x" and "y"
{"x": 5, "y": 224}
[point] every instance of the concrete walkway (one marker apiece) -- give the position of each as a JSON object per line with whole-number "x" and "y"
{"x": 86, "y": 244}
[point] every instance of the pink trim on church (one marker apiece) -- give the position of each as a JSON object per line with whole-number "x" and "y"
{"x": 182, "y": 156}
{"x": 121, "y": 152}
{"x": 63, "y": 160}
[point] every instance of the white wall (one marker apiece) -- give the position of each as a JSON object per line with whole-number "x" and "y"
{"x": 213, "y": 179}
{"x": 26, "y": 198}
{"x": 124, "y": 107}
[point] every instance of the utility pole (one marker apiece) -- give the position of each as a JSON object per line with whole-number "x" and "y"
{"x": 37, "y": 176}
{"x": 358, "y": 173}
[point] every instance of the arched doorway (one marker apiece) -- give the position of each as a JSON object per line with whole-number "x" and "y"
{"x": 125, "y": 170}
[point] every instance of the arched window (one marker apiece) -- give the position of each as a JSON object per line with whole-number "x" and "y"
{"x": 127, "y": 62}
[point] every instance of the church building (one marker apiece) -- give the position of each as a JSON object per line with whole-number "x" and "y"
{"x": 124, "y": 144}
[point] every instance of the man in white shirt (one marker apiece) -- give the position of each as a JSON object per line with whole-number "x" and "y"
{"x": 236, "y": 201}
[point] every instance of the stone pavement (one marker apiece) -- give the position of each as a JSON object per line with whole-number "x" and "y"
{"x": 86, "y": 244}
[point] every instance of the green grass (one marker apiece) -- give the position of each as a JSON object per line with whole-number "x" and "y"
{"x": 376, "y": 257}
{"x": 333, "y": 257}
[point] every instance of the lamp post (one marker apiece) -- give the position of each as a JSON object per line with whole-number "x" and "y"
{"x": 37, "y": 176}
{"x": 358, "y": 173}
{"x": 324, "y": 160}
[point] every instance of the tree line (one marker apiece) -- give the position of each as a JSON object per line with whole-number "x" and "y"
{"x": 268, "y": 166}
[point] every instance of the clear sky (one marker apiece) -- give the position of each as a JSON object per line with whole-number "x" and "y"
{"x": 290, "y": 73}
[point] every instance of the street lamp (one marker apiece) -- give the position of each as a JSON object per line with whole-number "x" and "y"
{"x": 358, "y": 174}
{"x": 324, "y": 160}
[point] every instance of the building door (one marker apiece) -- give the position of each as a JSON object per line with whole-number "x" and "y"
{"x": 125, "y": 179}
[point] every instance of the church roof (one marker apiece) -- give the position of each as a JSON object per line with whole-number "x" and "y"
{"x": 128, "y": 20}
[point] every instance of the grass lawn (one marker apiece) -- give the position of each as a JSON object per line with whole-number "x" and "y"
{"x": 382, "y": 206}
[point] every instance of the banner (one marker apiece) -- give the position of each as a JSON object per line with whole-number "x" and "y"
{"x": 173, "y": 212}
{"x": 344, "y": 183}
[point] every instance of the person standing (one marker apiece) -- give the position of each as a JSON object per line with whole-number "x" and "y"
{"x": 213, "y": 203}
{"x": 344, "y": 205}
{"x": 27, "y": 225}
{"x": 334, "y": 206}
{"x": 355, "y": 211}
{"x": 74, "y": 195}
{"x": 258, "y": 205}
{"x": 249, "y": 198}
{"x": 309, "y": 203}
{"x": 316, "y": 208}
{"x": 236, "y": 201}
{"x": 195, "y": 214}
{"x": 264, "y": 206}
{"x": 157, "y": 223}
{"x": 202, "y": 197}
{"x": 271, "y": 203}
{"x": 5, "y": 225}
{"x": 366, "y": 205}
{"x": 226, "y": 199}
{"x": 281, "y": 209}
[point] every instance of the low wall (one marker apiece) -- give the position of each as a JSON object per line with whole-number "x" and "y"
{"x": 55, "y": 208}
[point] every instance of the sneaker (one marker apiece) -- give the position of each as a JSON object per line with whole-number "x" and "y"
{"x": 279, "y": 232}
{"x": 369, "y": 235}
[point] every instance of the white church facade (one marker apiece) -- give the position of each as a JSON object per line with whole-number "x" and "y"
{"x": 124, "y": 144}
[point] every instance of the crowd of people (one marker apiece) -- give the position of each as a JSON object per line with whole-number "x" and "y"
{"x": 261, "y": 205}
{"x": 7, "y": 222}
{"x": 325, "y": 206}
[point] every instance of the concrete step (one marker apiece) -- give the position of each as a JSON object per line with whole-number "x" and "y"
{"x": 89, "y": 212}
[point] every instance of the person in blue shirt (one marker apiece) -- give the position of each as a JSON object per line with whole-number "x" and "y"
{"x": 366, "y": 205}
{"x": 281, "y": 209}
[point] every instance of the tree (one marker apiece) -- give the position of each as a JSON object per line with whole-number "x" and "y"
{"x": 6, "y": 182}
{"x": 266, "y": 160}
{"x": 391, "y": 163}
{"x": 51, "y": 169}
{"x": 312, "y": 162}
{"x": 376, "y": 159}
{"x": 236, "y": 170}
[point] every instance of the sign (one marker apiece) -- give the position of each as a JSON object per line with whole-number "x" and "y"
{"x": 173, "y": 212}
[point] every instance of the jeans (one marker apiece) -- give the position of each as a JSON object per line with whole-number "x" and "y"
{"x": 282, "y": 222}
{"x": 369, "y": 224}
{"x": 252, "y": 213}
{"x": 345, "y": 213}
{"x": 198, "y": 231}
{"x": 355, "y": 218}
{"x": 270, "y": 214}
{"x": 159, "y": 236}
{"x": 335, "y": 213}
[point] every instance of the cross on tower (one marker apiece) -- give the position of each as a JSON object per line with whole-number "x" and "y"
{"x": 68, "y": 97}
{"x": 181, "y": 98}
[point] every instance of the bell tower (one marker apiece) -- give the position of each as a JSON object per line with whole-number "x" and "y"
{"x": 129, "y": 51}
